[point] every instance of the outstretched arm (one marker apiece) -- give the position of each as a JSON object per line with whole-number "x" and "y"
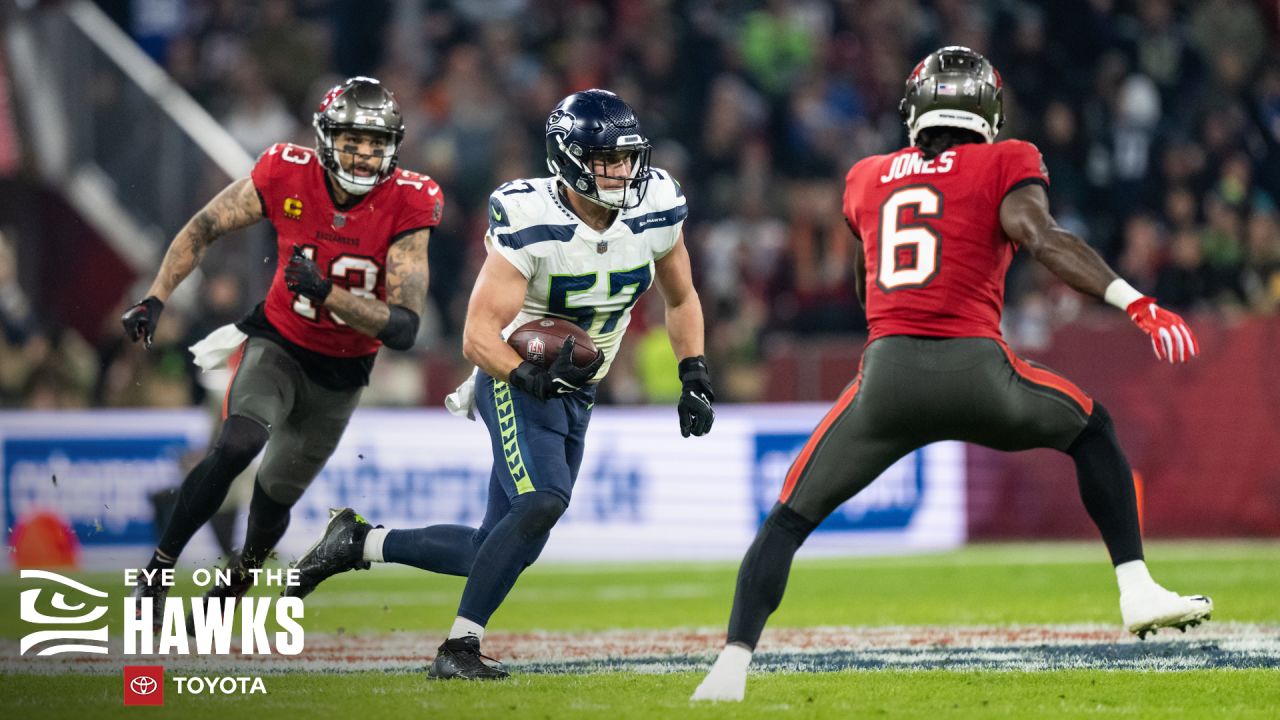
{"x": 1024, "y": 214}
{"x": 685, "y": 328}
{"x": 407, "y": 277}
{"x": 236, "y": 207}
{"x": 684, "y": 310}
{"x": 1025, "y": 217}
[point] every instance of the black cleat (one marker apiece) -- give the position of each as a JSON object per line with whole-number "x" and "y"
{"x": 241, "y": 583}
{"x": 460, "y": 659}
{"x": 158, "y": 593}
{"x": 339, "y": 549}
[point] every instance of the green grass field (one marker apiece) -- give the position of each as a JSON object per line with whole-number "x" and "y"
{"x": 997, "y": 585}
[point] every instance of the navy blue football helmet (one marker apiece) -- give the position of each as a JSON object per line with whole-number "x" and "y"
{"x": 589, "y": 132}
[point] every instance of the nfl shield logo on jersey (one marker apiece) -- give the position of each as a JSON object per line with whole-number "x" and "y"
{"x": 339, "y": 220}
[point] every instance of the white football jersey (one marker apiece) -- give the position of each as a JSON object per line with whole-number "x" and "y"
{"x": 587, "y": 277}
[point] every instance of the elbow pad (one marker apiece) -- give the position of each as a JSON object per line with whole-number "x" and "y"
{"x": 401, "y": 328}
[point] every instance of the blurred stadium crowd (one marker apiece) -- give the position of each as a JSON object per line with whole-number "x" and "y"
{"x": 1159, "y": 122}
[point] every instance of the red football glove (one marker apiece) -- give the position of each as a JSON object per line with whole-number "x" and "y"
{"x": 1170, "y": 337}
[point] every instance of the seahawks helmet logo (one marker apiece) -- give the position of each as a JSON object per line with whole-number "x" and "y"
{"x": 559, "y": 124}
{"x": 560, "y": 120}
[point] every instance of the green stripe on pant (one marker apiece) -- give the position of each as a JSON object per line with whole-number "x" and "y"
{"x": 510, "y": 442}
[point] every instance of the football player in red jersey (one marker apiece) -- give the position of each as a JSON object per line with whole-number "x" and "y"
{"x": 351, "y": 276}
{"x": 938, "y": 223}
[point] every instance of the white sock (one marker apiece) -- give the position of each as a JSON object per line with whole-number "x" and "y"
{"x": 1133, "y": 575}
{"x": 734, "y": 658}
{"x": 373, "y": 544}
{"x": 463, "y": 627}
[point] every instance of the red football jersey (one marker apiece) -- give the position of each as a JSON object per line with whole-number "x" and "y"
{"x": 351, "y": 245}
{"x": 935, "y": 251}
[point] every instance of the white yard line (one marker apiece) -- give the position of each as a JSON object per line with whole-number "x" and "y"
{"x": 1031, "y": 647}
{"x": 603, "y": 593}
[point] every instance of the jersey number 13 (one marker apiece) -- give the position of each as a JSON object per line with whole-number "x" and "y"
{"x": 359, "y": 275}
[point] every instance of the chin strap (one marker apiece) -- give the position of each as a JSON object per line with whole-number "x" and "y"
{"x": 352, "y": 188}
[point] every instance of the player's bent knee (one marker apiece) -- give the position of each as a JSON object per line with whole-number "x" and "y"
{"x": 284, "y": 494}
{"x": 240, "y": 441}
{"x": 1101, "y": 418}
{"x": 790, "y": 522}
{"x": 539, "y": 512}
{"x": 1099, "y": 427}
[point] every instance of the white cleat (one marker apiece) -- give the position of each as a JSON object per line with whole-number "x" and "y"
{"x": 1145, "y": 611}
{"x": 721, "y": 687}
{"x": 727, "y": 680}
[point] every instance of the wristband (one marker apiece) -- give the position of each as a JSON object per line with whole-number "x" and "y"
{"x": 1121, "y": 294}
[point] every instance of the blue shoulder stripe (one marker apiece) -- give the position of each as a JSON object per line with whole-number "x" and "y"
{"x": 663, "y": 218}
{"x": 536, "y": 234}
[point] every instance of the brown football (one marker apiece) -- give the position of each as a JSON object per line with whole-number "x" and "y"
{"x": 539, "y": 341}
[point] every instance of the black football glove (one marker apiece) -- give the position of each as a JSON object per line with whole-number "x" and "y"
{"x": 303, "y": 276}
{"x": 563, "y": 378}
{"x": 140, "y": 320}
{"x": 696, "y": 413}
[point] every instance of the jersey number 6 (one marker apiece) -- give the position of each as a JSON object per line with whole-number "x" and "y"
{"x": 909, "y": 251}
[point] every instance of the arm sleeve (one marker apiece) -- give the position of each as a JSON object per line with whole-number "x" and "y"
{"x": 1021, "y": 164}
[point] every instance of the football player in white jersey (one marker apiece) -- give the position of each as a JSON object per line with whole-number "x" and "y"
{"x": 582, "y": 245}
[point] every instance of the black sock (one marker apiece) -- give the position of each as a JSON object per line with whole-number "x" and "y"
{"x": 206, "y": 486}
{"x": 1106, "y": 487}
{"x": 162, "y": 502}
{"x": 160, "y": 563}
{"x": 507, "y": 551}
{"x": 267, "y": 522}
{"x": 223, "y": 525}
{"x": 446, "y": 549}
{"x": 763, "y": 576}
